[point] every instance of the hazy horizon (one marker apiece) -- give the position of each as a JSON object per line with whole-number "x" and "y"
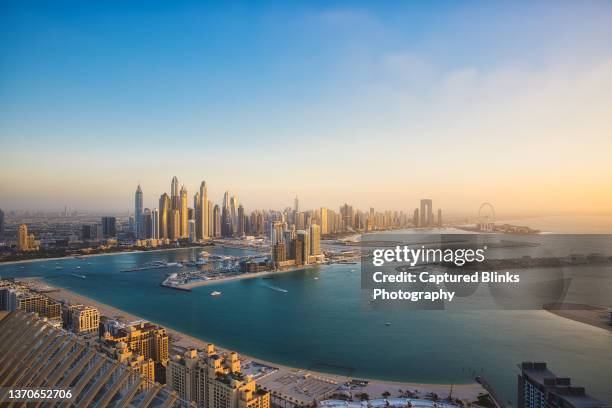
{"x": 374, "y": 104}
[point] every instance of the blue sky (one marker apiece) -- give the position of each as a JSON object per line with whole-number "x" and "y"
{"x": 332, "y": 101}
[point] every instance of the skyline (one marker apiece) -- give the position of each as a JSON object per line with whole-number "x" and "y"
{"x": 375, "y": 104}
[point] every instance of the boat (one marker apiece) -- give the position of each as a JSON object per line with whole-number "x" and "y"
{"x": 388, "y": 324}
{"x": 316, "y": 278}
{"x": 78, "y": 267}
{"x": 215, "y": 293}
{"x": 78, "y": 276}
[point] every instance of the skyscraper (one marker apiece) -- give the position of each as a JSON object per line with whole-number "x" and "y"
{"x": 139, "y": 232}
{"x": 184, "y": 213}
{"x": 174, "y": 229}
{"x": 315, "y": 240}
{"x": 304, "y": 238}
{"x": 164, "y": 216}
{"x": 1, "y": 225}
{"x": 174, "y": 194}
{"x": 216, "y": 221}
{"x": 109, "y": 227}
{"x": 323, "y": 218}
{"x": 192, "y": 231}
{"x": 234, "y": 214}
{"x": 147, "y": 224}
{"x": 23, "y": 241}
{"x": 296, "y": 205}
{"x": 426, "y": 213}
{"x": 197, "y": 208}
{"x": 155, "y": 223}
{"x": 439, "y": 217}
{"x": 240, "y": 221}
{"x": 211, "y": 220}
{"x": 205, "y": 216}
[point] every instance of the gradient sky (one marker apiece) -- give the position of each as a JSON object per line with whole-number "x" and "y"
{"x": 375, "y": 103}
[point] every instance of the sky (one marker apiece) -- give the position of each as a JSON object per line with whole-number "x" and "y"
{"x": 372, "y": 103}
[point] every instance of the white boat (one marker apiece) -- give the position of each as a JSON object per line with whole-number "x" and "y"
{"x": 215, "y": 293}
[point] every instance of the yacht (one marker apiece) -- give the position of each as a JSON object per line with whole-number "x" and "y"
{"x": 215, "y": 293}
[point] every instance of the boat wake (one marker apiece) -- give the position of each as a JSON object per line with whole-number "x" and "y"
{"x": 276, "y": 288}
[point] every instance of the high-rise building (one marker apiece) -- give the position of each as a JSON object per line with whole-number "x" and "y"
{"x": 22, "y": 241}
{"x": 296, "y": 204}
{"x": 139, "y": 232}
{"x": 175, "y": 225}
{"x": 204, "y": 212}
{"x": 216, "y": 221}
{"x": 276, "y": 231}
{"x": 240, "y": 221}
{"x": 25, "y": 241}
{"x": 155, "y": 223}
{"x": 192, "y": 231}
{"x": 234, "y": 215}
{"x": 538, "y": 387}
{"x": 109, "y": 227}
{"x": 174, "y": 194}
{"x": 302, "y": 248}
{"x": 323, "y": 218}
{"x": 211, "y": 219}
{"x": 165, "y": 212}
{"x": 1, "y": 225}
{"x": 147, "y": 224}
{"x": 315, "y": 240}
{"x": 197, "y": 207}
{"x": 348, "y": 216}
{"x": 91, "y": 232}
{"x": 426, "y": 213}
{"x": 184, "y": 212}
{"x": 439, "y": 217}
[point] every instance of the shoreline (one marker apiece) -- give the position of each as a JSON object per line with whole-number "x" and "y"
{"x": 84, "y": 256}
{"x": 467, "y": 391}
{"x": 594, "y": 316}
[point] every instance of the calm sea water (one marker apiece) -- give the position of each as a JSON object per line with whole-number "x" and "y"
{"x": 323, "y": 324}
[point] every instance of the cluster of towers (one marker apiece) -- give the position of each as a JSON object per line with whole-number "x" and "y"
{"x": 174, "y": 219}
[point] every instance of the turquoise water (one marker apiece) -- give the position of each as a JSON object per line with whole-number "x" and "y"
{"x": 323, "y": 324}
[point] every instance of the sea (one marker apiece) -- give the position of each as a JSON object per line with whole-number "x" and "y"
{"x": 316, "y": 319}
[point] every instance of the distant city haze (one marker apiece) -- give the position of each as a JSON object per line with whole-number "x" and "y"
{"x": 375, "y": 104}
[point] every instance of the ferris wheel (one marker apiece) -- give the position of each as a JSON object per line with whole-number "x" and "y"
{"x": 486, "y": 217}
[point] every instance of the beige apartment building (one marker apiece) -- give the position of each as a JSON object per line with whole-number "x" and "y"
{"x": 214, "y": 381}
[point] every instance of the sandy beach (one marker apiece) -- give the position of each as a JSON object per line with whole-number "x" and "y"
{"x": 592, "y": 315}
{"x": 375, "y": 388}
